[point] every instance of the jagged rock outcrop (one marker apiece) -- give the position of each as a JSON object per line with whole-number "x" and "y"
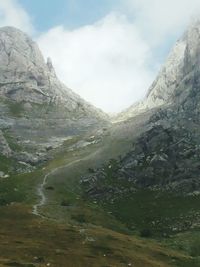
{"x": 35, "y": 107}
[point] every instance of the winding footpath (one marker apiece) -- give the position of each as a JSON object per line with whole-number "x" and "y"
{"x": 41, "y": 189}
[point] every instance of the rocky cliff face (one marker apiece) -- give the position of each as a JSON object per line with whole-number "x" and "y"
{"x": 37, "y": 111}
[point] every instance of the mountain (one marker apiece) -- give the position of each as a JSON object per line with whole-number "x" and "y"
{"x": 37, "y": 111}
{"x": 92, "y": 192}
{"x": 168, "y": 152}
{"x": 162, "y": 165}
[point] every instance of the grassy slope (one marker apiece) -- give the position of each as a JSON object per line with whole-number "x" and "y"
{"x": 26, "y": 236}
{"x": 161, "y": 213}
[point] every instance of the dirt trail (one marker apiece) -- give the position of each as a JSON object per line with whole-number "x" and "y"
{"x": 41, "y": 189}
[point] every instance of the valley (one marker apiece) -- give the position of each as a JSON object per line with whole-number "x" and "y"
{"x": 79, "y": 188}
{"x": 71, "y": 230}
{"x": 74, "y": 233}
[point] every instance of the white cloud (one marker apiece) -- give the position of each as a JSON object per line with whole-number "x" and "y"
{"x": 12, "y": 14}
{"x": 112, "y": 62}
{"x": 106, "y": 62}
{"x": 162, "y": 19}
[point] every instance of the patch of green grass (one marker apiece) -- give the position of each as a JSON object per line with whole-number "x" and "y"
{"x": 160, "y": 213}
{"x": 20, "y": 188}
{"x": 8, "y": 165}
{"x": 188, "y": 242}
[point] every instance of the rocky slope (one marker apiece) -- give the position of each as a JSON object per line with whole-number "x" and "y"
{"x": 37, "y": 111}
{"x": 167, "y": 155}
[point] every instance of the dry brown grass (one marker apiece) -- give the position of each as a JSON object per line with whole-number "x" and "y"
{"x": 28, "y": 241}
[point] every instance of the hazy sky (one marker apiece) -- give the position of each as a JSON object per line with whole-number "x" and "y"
{"x": 108, "y": 51}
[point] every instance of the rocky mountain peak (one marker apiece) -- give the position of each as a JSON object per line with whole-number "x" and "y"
{"x": 23, "y": 71}
{"x": 183, "y": 61}
{"x": 18, "y": 53}
{"x": 25, "y": 76}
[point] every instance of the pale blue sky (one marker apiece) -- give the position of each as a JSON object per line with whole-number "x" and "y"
{"x": 70, "y": 13}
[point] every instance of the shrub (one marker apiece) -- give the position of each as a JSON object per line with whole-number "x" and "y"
{"x": 3, "y": 202}
{"x": 145, "y": 233}
{"x": 49, "y": 188}
{"x": 79, "y": 218}
{"x": 65, "y": 203}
